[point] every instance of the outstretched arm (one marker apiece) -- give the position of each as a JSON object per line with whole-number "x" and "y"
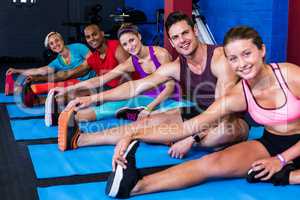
{"x": 165, "y": 94}
{"x": 233, "y": 102}
{"x": 131, "y": 88}
{"x": 64, "y": 75}
{"x": 99, "y": 81}
{"x": 31, "y": 72}
{"x": 73, "y": 73}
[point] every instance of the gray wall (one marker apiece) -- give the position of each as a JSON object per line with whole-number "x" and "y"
{"x": 22, "y": 30}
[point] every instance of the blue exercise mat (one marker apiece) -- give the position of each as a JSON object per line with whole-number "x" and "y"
{"x": 20, "y": 111}
{"x": 8, "y": 99}
{"x": 77, "y": 162}
{"x": 29, "y": 129}
{"x": 97, "y": 159}
{"x": 90, "y": 127}
{"x": 255, "y": 132}
{"x": 33, "y": 129}
{"x": 233, "y": 189}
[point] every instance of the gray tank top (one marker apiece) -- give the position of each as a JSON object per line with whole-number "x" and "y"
{"x": 198, "y": 88}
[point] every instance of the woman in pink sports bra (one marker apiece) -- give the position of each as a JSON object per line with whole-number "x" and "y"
{"x": 270, "y": 93}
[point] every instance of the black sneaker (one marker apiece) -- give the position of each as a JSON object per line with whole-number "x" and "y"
{"x": 51, "y": 109}
{"x": 283, "y": 176}
{"x": 279, "y": 178}
{"x": 121, "y": 181}
{"x": 251, "y": 176}
{"x": 129, "y": 113}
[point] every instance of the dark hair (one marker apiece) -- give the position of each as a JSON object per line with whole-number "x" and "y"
{"x": 93, "y": 24}
{"x": 243, "y": 32}
{"x": 127, "y": 28}
{"x": 175, "y": 17}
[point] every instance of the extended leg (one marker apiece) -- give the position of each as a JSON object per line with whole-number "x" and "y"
{"x": 112, "y": 136}
{"x": 295, "y": 177}
{"x": 234, "y": 161}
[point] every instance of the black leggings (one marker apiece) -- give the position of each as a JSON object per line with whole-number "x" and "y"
{"x": 276, "y": 144}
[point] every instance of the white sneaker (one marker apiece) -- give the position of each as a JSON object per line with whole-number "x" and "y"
{"x": 51, "y": 109}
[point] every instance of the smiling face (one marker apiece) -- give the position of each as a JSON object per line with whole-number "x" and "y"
{"x": 94, "y": 36}
{"x": 244, "y": 57}
{"x": 183, "y": 38}
{"x": 56, "y": 43}
{"x": 131, "y": 42}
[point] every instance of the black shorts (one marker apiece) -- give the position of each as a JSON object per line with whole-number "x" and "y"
{"x": 276, "y": 144}
{"x": 189, "y": 112}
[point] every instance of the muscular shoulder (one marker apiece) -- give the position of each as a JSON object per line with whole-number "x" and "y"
{"x": 162, "y": 54}
{"x": 120, "y": 54}
{"x": 291, "y": 74}
{"x": 170, "y": 69}
{"x": 237, "y": 98}
{"x": 219, "y": 65}
{"x": 218, "y": 58}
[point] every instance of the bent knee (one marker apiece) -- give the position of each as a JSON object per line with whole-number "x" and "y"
{"x": 241, "y": 130}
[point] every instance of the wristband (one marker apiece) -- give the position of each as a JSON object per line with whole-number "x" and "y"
{"x": 282, "y": 160}
{"x": 147, "y": 109}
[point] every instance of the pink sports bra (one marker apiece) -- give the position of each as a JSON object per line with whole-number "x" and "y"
{"x": 288, "y": 112}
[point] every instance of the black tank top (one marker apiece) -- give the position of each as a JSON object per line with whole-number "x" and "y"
{"x": 198, "y": 88}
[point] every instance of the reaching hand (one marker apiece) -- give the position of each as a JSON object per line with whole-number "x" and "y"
{"x": 180, "y": 148}
{"x": 60, "y": 91}
{"x": 79, "y": 103}
{"x": 118, "y": 158}
{"x": 144, "y": 113}
{"x": 269, "y": 167}
{"x": 11, "y": 71}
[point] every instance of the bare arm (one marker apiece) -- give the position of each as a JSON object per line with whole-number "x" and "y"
{"x": 291, "y": 73}
{"x": 64, "y": 75}
{"x": 177, "y": 131}
{"x": 233, "y": 102}
{"x": 165, "y": 94}
{"x": 226, "y": 78}
{"x": 99, "y": 81}
{"x": 121, "y": 55}
{"x": 73, "y": 73}
{"x": 33, "y": 71}
{"x": 133, "y": 88}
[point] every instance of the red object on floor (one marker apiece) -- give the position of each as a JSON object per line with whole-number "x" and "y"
{"x": 9, "y": 84}
{"x": 43, "y": 88}
{"x": 29, "y": 98}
